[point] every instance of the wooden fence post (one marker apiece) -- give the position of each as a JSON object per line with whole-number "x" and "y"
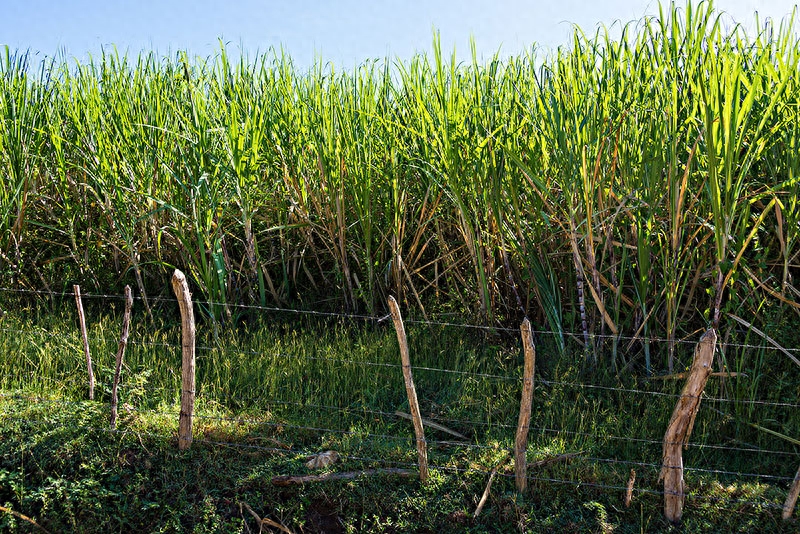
{"x": 680, "y": 426}
{"x": 413, "y": 405}
{"x": 181, "y": 289}
{"x": 123, "y": 342}
{"x": 521, "y": 442}
{"x": 791, "y": 499}
{"x": 82, "y": 319}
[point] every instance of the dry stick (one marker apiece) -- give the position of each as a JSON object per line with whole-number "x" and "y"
{"x": 288, "y": 480}
{"x": 181, "y": 289}
{"x": 791, "y": 499}
{"x": 485, "y": 495}
{"x": 680, "y": 426}
{"x": 265, "y": 521}
{"x": 22, "y": 517}
{"x": 77, "y": 289}
{"x": 123, "y": 342}
{"x": 765, "y": 336}
{"x": 422, "y": 448}
{"x": 521, "y": 442}
{"x": 437, "y": 426}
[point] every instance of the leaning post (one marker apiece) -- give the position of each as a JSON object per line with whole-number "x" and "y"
{"x": 82, "y": 319}
{"x": 680, "y": 426}
{"x": 791, "y": 498}
{"x": 413, "y": 405}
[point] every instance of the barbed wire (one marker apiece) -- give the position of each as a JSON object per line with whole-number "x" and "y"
{"x": 686, "y": 468}
{"x": 382, "y": 318}
{"x": 688, "y": 496}
{"x": 381, "y": 437}
{"x": 273, "y": 424}
{"x": 262, "y": 448}
{"x": 90, "y": 295}
{"x": 374, "y": 437}
{"x": 546, "y": 382}
{"x": 280, "y": 449}
{"x": 578, "y": 484}
{"x": 349, "y": 410}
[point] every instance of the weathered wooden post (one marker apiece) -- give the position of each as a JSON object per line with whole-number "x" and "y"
{"x": 123, "y": 342}
{"x": 413, "y": 405}
{"x": 82, "y": 319}
{"x": 629, "y": 488}
{"x": 181, "y": 289}
{"x": 791, "y": 499}
{"x": 521, "y": 441}
{"x": 680, "y": 426}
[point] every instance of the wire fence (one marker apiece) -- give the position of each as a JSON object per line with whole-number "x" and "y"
{"x": 428, "y": 322}
{"x": 384, "y": 462}
{"x": 207, "y": 351}
{"x": 367, "y": 439}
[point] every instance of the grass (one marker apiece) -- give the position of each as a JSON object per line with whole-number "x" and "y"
{"x": 282, "y": 387}
{"x": 624, "y": 193}
{"x": 63, "y": 468}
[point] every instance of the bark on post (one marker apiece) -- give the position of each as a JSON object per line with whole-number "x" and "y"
{"x": 521, "y": 442}
{"x": 82, "y": 319}
{"x": 422, "y": 447}
{"x": 629, "y": 488}
{"x": 791, "y": 499}
{"x": 181, "y": 289}
{"x": 123, "y": 342}
{"x": 680, "y": 426}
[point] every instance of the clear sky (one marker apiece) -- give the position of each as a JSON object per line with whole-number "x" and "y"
{"x": 346, "y": 32}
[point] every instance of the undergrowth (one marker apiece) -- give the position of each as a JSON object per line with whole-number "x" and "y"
{"x": 279, "y": 389}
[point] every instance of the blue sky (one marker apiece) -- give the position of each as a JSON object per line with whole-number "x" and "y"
{"x": 346, "y": 32}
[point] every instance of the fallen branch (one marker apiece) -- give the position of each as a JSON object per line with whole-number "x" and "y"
{"x": 288, "y": 480}
{"x": 266, "y": 521}
{"x": 485, "y": 494}
{"x": 23, "y": 517}
{"x": 437, "y": 426}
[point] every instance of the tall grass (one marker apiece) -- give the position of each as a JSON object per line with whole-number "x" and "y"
{"x": 638, "y": 186}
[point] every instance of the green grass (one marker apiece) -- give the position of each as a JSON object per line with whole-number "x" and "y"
{"x": 61, "y": 467}
{"x": 283, "y": 386}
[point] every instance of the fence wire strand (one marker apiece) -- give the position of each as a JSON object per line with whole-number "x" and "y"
{"x": 351, "y": 410}
{"x": 364, "y": 437}
{"x": 578, "y": 484}
{"x": 491, "y": 376}
{"x": 450, "y": 443}
{"x": 383, "y": 318}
